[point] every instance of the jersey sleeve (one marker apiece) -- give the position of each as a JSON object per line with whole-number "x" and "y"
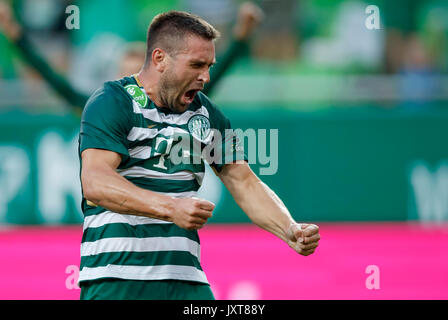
{"x": 105, "y": 123}
{"x": 229, "y": 145}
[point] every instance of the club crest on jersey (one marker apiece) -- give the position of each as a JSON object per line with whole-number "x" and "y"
{"x": 137, "y": 94}
{"x": 199, "y": 127}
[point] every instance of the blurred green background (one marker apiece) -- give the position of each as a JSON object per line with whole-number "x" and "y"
{"x": 361, "y": 113}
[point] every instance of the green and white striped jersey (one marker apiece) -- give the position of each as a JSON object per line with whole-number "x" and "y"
{"x": 120, "y": 117}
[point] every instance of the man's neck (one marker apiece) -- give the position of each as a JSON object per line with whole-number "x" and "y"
{"x": 147, "y": 80}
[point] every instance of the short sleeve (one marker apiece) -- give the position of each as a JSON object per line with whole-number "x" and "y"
{"x": 229, "y": 145}
{"x": 105, "y": 122}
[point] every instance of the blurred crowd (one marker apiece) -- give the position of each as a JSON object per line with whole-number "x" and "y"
{"x": 284, "y": 37}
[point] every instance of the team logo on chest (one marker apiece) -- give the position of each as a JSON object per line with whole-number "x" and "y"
{"x": 199, "y": 127}
{"x": 137, "y": 94}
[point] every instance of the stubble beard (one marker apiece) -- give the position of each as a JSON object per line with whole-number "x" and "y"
{"x": 169, "y": 93}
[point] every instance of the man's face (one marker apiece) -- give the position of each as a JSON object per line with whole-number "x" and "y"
{"x": 186, "y": 73}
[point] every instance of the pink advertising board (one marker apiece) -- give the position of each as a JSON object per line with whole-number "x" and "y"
{"x": 353, "y": 261}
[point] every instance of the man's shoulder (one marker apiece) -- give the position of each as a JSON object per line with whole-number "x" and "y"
{"x": 115, "y": 88}
{"x": 110, "y": 91}
{"x": 205, "y": 102}
{"x": 110, "y": 97}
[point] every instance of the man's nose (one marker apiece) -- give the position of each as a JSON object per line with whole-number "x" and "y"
{"x": 204, "y": 76}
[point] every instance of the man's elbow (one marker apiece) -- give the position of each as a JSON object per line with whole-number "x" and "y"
{"x": 90, "y": 187}
{"x": 241, "y": 182}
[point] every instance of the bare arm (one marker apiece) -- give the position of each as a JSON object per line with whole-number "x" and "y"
{"x": 248, "y": 19}
{"x": 103, "y": 186}
{"x": 14, "y": 31}
{"x": 266, "y": 210}
{"x": 8, "y": 23}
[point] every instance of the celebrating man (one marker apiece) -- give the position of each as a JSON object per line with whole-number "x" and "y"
{"x": 140, "y": 237}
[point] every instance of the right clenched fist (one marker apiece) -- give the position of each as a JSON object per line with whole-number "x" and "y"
{"x": 8, "y": 23}
{"x": 192, "y": 213}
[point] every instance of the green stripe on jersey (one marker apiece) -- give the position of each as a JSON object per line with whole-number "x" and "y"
{"x": 123, "y": 230}
{"x": 164, "y": 185}
{"x": 157, "y": 258}
{"x": 156, "y": 185}
{"x": 193, "y": 163}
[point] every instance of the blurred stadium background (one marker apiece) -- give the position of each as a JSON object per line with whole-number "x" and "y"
{"x": 363, "y": 125}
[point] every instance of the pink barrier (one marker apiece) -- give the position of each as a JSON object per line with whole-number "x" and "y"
{"x": 353, "y": 261}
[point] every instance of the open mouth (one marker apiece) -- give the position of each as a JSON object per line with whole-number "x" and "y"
{"x": 190, "y": 95}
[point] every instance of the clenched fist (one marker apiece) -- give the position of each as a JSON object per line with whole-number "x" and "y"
{"x": 249, "y": 17}
{"x": 8, "y": 23}
{"x": 303, "y": 238}
{"x": 192, "y": 213}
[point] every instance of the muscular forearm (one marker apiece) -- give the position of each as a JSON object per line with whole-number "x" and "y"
{"x": 266, "y": 209}
{"x": 108, "y": 189}
{"x": 262, "y": 205}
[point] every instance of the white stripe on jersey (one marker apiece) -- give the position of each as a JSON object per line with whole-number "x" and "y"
{"x": 131, "y": 244}
{"x": 139, "y": 134}
{"x": 141, "y": 152}
{"x": 106, "y": 217}
{"x": 140, "y": 172}
{"x": 160, "y": 117}
{"x": 143, "y": 273}
{"x": 101, "y": 219}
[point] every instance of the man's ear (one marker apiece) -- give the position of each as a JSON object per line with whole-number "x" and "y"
{"x": 159, "y": 57}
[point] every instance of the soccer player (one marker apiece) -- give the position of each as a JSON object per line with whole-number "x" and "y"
{"x": 140, "y": 238}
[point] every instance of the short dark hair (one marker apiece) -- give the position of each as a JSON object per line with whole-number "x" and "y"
{"x": 168, "y": 30}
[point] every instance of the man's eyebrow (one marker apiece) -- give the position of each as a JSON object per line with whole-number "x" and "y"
{"x": 203, "y": 62}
